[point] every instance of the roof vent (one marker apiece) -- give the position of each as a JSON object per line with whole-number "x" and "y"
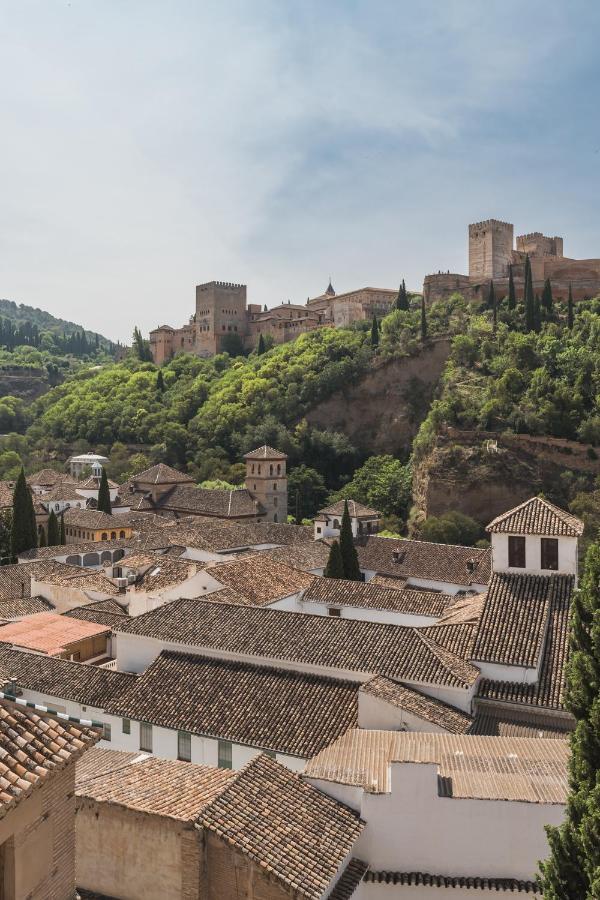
{"x": 470, "y": 565}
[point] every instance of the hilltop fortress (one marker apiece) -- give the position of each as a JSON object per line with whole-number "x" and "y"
{"x": 492, "y": 253}
{"x": 224, "y": 318}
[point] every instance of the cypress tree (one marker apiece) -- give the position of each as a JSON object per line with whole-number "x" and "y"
{"x": 512, "y": 297}
{"x": 261, "y": 346}
{"x": 160, "y": 382}
{"x": 423, "y": 320}
{"x": 547, "y": 301}
{"x": 104, "y": 495}
{"x": 42, "y": 540}
{"x": 375, "y": 333}
{"x": 494, "y": 305}
{"x": 63, "y": 539}
{"x": 537, "y": 314}
{"x": 53, "y": 530}
{"x": 347, "y": 548}
{"x": 335, "y": 563}
{"x": 402, "y": 298}
{"x": 573, "y": 866}
{"x": 24, "y": 535}
{"x": 570, "y": 316}
{"x": 529, "y": 298}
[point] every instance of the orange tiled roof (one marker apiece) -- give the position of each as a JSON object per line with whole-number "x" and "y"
{"x": 49, "y": 633}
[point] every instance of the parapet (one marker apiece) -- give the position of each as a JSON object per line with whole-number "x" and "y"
{"x": 490, "y": 223}
{"x": 224, "y": 284}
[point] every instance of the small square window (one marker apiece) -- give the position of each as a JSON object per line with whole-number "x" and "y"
{"x": 225, "y": 755}
{"x": 126, "y": 723}
{"x": 146, "y": 737}
{"x": 334, "y": 611}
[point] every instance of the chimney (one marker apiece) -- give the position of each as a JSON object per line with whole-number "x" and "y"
{"x": 470, "y": 565}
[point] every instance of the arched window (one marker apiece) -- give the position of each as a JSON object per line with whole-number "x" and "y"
{"x": 253, "y": 468}
{"x": 270, "y": 470}
{"x": 274, "y": 485}
{"x": 278, "y": 469}
{"x": 104, "y": 536}
{"x": 113, "y": 535}
{"x": 336, "y": 523}
{"x": 121, "y": 534}
{"x": 259, "y": 470}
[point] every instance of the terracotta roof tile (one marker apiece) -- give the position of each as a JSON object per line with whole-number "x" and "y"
{"x": 32, "y": 748}
{"x": 161, "y": 474}
{"x": 355, "y": 509}
{"x": 271, "y": 709}
{"x": 373, "y": 596}
{"x": 23, "y": 606}
{"x": 424, "y": 560}
{"x": 260, "y": 579}
{"x": 463, "y": 882}
{"x": 349, "y": 880}
{"x": 512, "y": 628}
{"x": 187, "y": 498}
{"x": 427, "y": 708}
{"x": 301, "y": 837}
{"x": 537, "y": 516}
{"x": 161, "y": 787}
{"x": 265, "y": 452}
{"x": 530, "y": 770}
{"x": 48, "y": 632}
{"x": 304, "y": 556}
{"x": 405, "y": 654}
{"x": 515, "y": 723}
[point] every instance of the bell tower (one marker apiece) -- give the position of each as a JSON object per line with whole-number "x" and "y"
{"x": 266, "y": 481}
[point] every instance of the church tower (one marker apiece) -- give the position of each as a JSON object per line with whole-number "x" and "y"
{"x": 266, "y": 481}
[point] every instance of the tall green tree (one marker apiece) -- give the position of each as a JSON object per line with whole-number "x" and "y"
{"x": 63, "y": 539}
{"x": 572, "y": 870}
{"x": 42, "y": 538}
{"x": 141, "y": 348}
{"x": 375, "y": 332}
{"x": 261, "y": 346}
{"x": 160, "y": 382}
{"x": 570, "y": 311}
{"x": 547, "y": 300}
{"x": 104, "y": 504}
{"x": 512, "y": 297}
{"x": 24, "y": 534}
{"x": 492, "y": 303}
{"x": 53, "y": 530}
{"x": 423, "y": 320}
{"x": 402, "y": 298}
{"x": 347, "y": 548}
{"x": 537, "y": 314}
{"x": 529, "y": 298}
{"x": 335, "y": 563}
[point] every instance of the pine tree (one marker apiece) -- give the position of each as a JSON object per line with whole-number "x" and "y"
{"x": 402, "y": 298}
{"x": 529, "y": 298}
{"x": 423, "y": 320}
{"x": 570, "y": 316}
{"x": 53, "y": 530}
{"x": 261, "y": 346}
{"x": 347, "y": 548}
{"x": 104, "y": 495}
{"x": 335, "y": 563}
{"x": 512, "y": 297}
{"x": 63, "y": 539}
{"x": 547, "y": 301}
{"x": 375, "y": 332}
{"x": 42, "y": 538}
{"x": 24, "y": 534}
{"x": 160, "y": 382}
{"x": 573, "y": 866}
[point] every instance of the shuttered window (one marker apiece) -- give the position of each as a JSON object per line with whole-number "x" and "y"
{"x": 516, "y": 552}
{"x": 549, "y": 554}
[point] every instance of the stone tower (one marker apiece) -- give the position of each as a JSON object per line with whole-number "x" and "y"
{"x": 266, "y": 481}
{"x": 490, "y": 249}
{"x": 220, "y": 311}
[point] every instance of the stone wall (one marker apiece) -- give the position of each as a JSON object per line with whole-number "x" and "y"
{"x": 230, "y": 876}
{"x": 490, "y": 249}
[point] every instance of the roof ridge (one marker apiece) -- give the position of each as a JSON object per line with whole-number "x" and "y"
{"x": 440, "y": 652}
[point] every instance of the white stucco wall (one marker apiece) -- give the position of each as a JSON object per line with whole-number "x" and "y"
{"x": 360, "y": 613}
{"x": 65, "y": 598}
{"x": 567, "y": 555}
{"x": 374, "y": 713}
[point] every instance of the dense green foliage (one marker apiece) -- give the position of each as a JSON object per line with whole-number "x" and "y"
{"x": 384, "y": 484}
{"x": 22, "y": 325}
{"x": 335, "y": 563}
{"x": 572, "y": 870}
{"x": 24, "y": 534}
{"x": 306, "y": 493}
{"x": 451, "y": 528}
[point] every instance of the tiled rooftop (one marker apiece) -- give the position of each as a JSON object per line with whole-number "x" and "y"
{"x": 23, "y": 606}
{"x": 265, "y": 452}
{"x": 260, "y": 579}
{"x": 537, "y": 516}
{"x": 86, "y": 684}
{"x": 48, "y": 632}
{"x": 333, "y": 591}
{"x": 426, "y": 561}
{"x": 32, "y": 748}
{"x": 272, "y": 709}
{"x": 161, "y": 474}
{"x": 513, "y": 625}
{"x": 515, "y": 723}
{"x": 304, "y": 556}
{"x": 427, "y": 708}
{"x": 147, "y": 784}
{"x": 530, "y": 770}
{"x": 355, "y": 510}
{"x": 452, "y": 882}
{"x": 301, "y": 836}
{"x": 188, "y": 499}
{"x": 405, "y": 654}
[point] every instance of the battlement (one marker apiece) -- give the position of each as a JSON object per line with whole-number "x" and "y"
{"x": 489, "y": 223}
{"x": 230, "y": 285}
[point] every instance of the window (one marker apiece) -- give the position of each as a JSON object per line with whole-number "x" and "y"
{"x": 184, "y": 746}
{"x": 318, "y": 530}
{"x": 225, "y": 756}
{"x": 549, "y": 553}
{"x": 274, "y": 485}
{"x": 106, "y": 734}
{"x": 516, "y": 552}
{"x": 104, "y": 536}
{"x": 275, "y": 518}
{"x": 334, "y": 611}
{"x": 121, "y": 534}
{"x": 146, "y": 737}
{"x": 126, "y": 725}
{"x": 113, "y": 535}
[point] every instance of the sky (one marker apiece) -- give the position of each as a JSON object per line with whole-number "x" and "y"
{"x": 147, "y": 146}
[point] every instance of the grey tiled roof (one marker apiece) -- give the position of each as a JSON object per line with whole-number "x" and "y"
{"x": 537, "y": 516}
{"x": 373, "y": 596}
{"x": 427, "y": 561}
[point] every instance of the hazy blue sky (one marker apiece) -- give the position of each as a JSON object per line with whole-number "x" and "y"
{"x": 148, "y": 146}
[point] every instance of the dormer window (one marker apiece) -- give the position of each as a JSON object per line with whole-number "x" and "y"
{"x": 516, "y": 551}
{"x": 549, "y": 554}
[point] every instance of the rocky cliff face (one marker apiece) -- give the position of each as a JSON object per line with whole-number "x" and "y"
{"x": 28, "y": 384}
{"x": 484, "y": 475}
{"x": 382, "y": 413}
